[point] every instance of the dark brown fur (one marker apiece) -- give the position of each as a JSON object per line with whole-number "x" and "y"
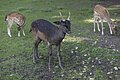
{"x": 43, "y": 30}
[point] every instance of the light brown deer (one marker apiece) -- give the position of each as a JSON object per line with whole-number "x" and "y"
{"x": 102, "y": 14}
{"x": 17, "y": 18}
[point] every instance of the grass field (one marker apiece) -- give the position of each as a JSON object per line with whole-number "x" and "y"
{"x": 82, "y": 56}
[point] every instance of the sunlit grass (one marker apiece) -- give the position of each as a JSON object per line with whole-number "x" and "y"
{"x": 91, "y": 20}
{"x": 76, "y": 39}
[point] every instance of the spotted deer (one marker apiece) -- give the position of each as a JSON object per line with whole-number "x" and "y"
{"x": 102, "y": 14}
{"x": 17, "y": 18}
{"x": 46, "y": 31}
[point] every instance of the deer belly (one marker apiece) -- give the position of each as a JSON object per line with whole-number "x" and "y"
{"x": 42, "y": 36}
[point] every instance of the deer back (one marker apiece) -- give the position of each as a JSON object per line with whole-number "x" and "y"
{"x": 16, "y": 17}
{"x": 102, "y": 12}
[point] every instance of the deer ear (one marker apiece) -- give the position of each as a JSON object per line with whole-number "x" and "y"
{"x": 57, "y": 22}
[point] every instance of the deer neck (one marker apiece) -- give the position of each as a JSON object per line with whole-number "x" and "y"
{"x": 63, "y": 29}
{"x": 108, "y": 20}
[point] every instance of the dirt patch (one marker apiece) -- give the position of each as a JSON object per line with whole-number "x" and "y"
{"x": 111, "y": 42}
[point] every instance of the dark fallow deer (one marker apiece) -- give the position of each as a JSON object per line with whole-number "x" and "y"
{"x": 17, "y": 18}
{"x": 102, "y": 14}
{"x": 46, "y": 31}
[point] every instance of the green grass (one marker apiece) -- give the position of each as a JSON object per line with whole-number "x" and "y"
{"x": 82, "y": 58}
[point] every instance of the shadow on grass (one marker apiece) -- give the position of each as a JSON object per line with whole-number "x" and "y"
{"x": 80, "y": 60}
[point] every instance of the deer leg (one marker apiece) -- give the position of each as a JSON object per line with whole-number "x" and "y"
{"x": 50, "y": 55}
{"x": 94, "y": 23}
{"x": 9, "y": 28}
{"x": 19, "y": 28}
{"x": 98, "y": 24}
{"x": 59, "y": 56}
{"x": 110, "y": 29}
{"x": 35, "y": 50}
{"x": 9, "y": 33}
{"x": 102, "y": 27}
{"x": 23, "y": 32}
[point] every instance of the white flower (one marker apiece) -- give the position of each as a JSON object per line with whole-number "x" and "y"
{"x": 114, "y": 50}
{"x": 108, "y": 59}
{"x": 81, "y": 74}
{"x": 110, "y": 76}
{"x": 73, "y": 77}
{"x": 40, "y": 56}
{"x": 63, "y": 40}
{"x": 84, "y": 76}
{"x": 83, "y": 62}
{"x": 62, "y": 75}
{"x": 72, "y": 51}
{"x": 91, "y": 79}
{"x": 106, "y": 41}
{"x": 76, "y": 47}
{"x": 92, "y": 60}
{"x": 99, "y": 62}
{"x": 96, "y": 58}
{"x": 89, "y": 58}
{"x": 111, "y": 62}
{"x": 90, "y": 73}
{"x": 77, "y": 56}
{"x": 56, "y": 66}
{"x": 74, "y": 70}
{"x": 11, "y": 74}
{"x": 115, "y": 68}
{"x": 53, "y": 72}
{"x": 93, "y": 66}
{"x": 95, "y": 42}
{"x": 85, "y": 54}
{"x": 85, "y": 66}
{"x": 108, "y": 72}
{"x": 84, "y": 70}
{"x": 99, "y": 47}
